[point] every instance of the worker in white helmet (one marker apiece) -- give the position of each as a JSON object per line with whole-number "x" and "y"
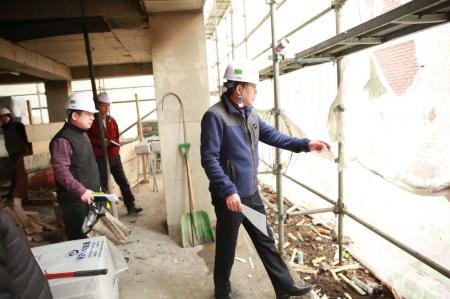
{"x": 17, "y": 146}
{"x": 74, "y": 165}
{"x": 230, "y": 133}
{"x": 113, "y": 150}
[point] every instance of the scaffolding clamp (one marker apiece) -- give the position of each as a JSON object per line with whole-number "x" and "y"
{"x": 278, "y": 168}
{"x": 273, "y": 2}
{"x": 337, "y": 4}
{"x": 275, "y": 112}
{"x": 281, "y": 217}
{"x": 276, "y": 57}
{"x": 339, "y": 208}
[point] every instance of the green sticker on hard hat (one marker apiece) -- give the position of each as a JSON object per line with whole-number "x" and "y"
{"x": 72, "y": 101}
{"x": 237, "y": 71}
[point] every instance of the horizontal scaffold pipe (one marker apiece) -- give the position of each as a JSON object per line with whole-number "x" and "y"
{"x": 301, "y": 26}
{"x": 429, "y": 262}
{"x": 266, "y": 17}
{"x": 133, "y": 124}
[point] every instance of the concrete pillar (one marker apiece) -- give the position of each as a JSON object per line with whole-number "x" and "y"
{"x": 57, "y": 93}
{"x": 180, "y": 66}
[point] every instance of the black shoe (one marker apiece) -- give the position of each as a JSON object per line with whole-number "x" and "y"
{"x": 294, "y": 291}
{"x": 134, "y": 210}
{"x": 226, "y": 296}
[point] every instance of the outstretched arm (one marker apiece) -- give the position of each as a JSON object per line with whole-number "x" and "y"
{"x": 273, "y": 137}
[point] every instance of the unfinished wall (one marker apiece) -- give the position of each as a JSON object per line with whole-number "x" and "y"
{"x": 179, "y": 64}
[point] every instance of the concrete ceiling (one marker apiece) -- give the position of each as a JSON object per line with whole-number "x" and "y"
{"x": 50, "y": 32}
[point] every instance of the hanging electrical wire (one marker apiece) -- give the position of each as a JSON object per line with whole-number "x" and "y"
{"x": 288, "y": 127}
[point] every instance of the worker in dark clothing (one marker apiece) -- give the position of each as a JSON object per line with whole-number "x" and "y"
{"x": 113, "y": 149}
{"x": 230, "y": 132}
{"x": 20, "y": 274}
{"x": 17, "y": 146}
{"x": 74, "y": 166}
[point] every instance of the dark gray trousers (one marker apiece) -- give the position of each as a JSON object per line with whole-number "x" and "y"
{"x": 227, "y": 230}
{"x": 119, "y": 176}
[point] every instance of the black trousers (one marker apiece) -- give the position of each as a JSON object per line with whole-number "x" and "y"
{"x": 119, "y": 176}
{"x": 227, "y": 230}
{"x": 74, "y": 211}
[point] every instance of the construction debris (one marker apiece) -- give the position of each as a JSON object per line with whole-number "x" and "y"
{"x": 321, "y": 259}
{"x": 316, "y": 261}
{"x": 240, "y": 259}
{"x": 251, "y": 263}
{"x": 304, "y": 269}
{"x": 352, "y": 284}
{"x": 33, "y": 227}
{"x": 346, "y": 267}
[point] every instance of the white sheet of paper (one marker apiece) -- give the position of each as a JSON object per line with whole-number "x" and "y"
{"x": 256, "y": 218}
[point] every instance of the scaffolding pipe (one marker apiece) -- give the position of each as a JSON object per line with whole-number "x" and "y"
{"x": 233, "y": 53}
{"x": 132, "y": 101}
{"x": 429, "y": 262}
{"x": 340, "y": 203}
{"x": 301, "y": 26}
{"x": 217, "y": 50}
{"x": 245, "y": 29}
{"x": 311, "y": 190}
{"x": 269, "y": 204}
{"x": 133, "y": 124}
{"x": 258, "y": 25}
{"x": 227, "y": 38}
{"x": 278, "y": 165}
{"x": 310, "y": 212}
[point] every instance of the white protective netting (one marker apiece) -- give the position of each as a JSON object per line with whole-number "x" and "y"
{"x": 405, "y": 139}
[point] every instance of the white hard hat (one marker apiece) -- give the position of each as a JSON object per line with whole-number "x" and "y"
{"x": 81, "y": 101}
{"x": 104, "y": 98}
{"x": 242, "y": 71}
{"x": 4, "y": 111}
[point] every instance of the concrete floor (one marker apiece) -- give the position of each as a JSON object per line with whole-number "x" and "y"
{"x": 161, "y": 268}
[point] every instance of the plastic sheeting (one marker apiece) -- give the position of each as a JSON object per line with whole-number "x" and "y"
{"x": 405, "y": 139}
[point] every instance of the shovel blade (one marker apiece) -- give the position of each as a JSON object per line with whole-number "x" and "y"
{"x": 196, "y": 229}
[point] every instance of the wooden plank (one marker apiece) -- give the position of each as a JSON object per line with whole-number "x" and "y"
{"x": 43, "y": 223}
{"x": 23, "y": 218}
{"x": 304, "y": 269}
{"x": 346, "y": 267}
{"x": 352, "y": 284}
{"x": 316, "y": 261}
{"x": 37, "y": 228}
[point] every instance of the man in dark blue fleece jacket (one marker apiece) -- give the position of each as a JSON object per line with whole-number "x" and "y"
{"x": 230, "y": 133}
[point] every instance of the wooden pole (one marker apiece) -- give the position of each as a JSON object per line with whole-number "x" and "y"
{"x": 30, "y": 114}
{"x": 141, "y": 138}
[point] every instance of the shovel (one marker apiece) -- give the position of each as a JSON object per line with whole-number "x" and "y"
{"x": 195, "y": 225}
